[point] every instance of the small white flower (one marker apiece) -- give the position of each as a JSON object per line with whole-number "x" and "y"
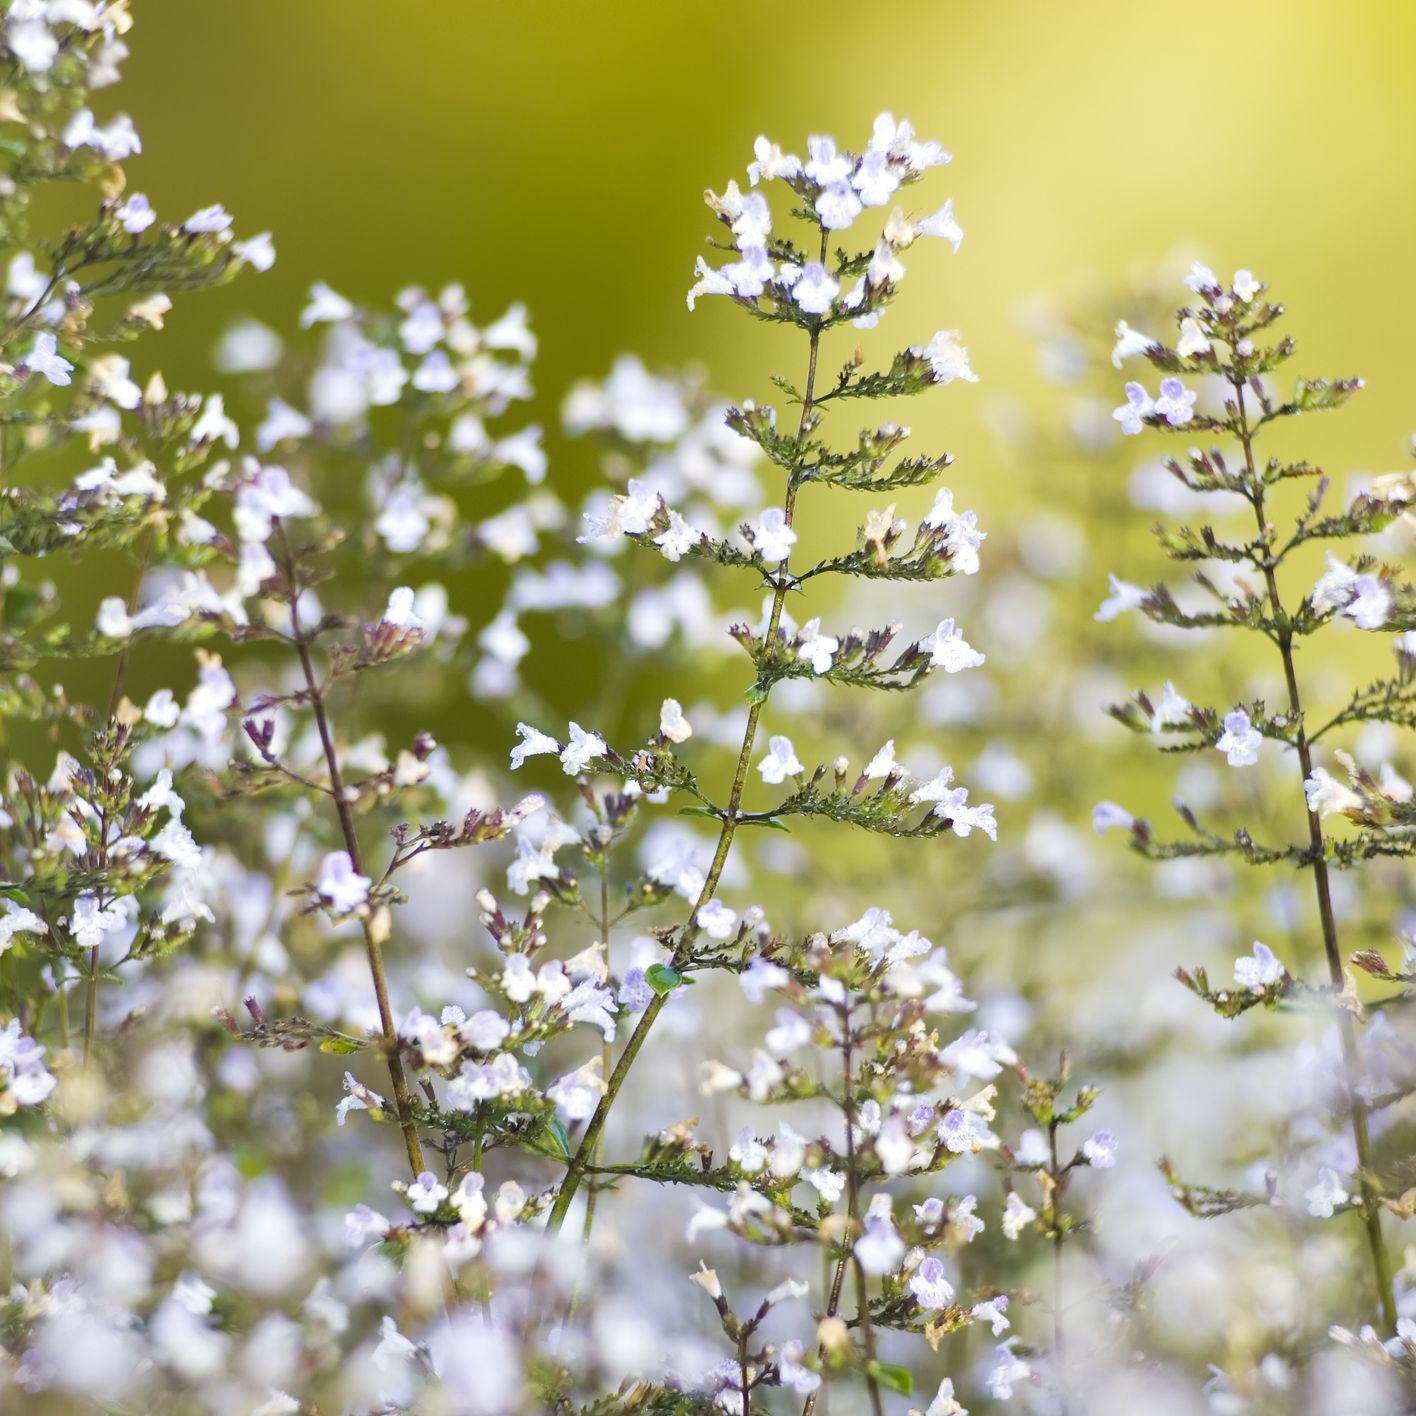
{"x": 1240, "y": 741}
{"x": 44, "y": 359}
{"x": 1258, "y": 970}
{"x": 399, "y": 612}
{"x": 136, "y": 214}
{"x": 1100, "y": 1150}
{"x": 208, "y": 220}
{"x": 817, "y": 649}
{"x": 1128, "y": 343}
{"x": 948, "y": 359}
{"x": 672, "y": 723}
{"x": 339, "y": 885}
{"x": 772, "y": 538}
{"x": 582, "y": 749}
{"x": 781, "y": 761}
{"x": 1124, "y": 597}
{"x": 1245, "y": 286}
{"x": 1324, "y": 1197}
{"x": 883, "y": 763}
{"x": 1017, "y": 1215}
{"x": 1193, "y": 339}
{"x": 716, "y": 920}
{"x": 815, "y": 290}
{"x": 948, "y": 650}
{"x": 426, "y": 1193}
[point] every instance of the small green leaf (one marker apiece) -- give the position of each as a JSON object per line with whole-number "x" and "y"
{"x": 756, "y": 694}
{"x": 895, "y": 1378}
{"x": 559, "y": 1138}
{"x": 341, "y": 1044}
{"x": 662, "y": 979}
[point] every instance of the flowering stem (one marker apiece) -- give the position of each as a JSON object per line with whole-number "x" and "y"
{"x": 1283, "y": 637}
{"x": 575, "y": 1172}
{"x": 372, "y": 944}
{"x": 1058, "y": 1238}
{"x": 867, "y": 1332}
{"x": 833, "y": 1303}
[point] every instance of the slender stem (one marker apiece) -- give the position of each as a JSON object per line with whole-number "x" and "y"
{"x": 867, "y": 1332}
{"x": 833, "y": 1304}
{"x": 575, "y": 1172}
{"x": 1370, "y": 1207}
{"x": 1058, "y": 1345}
{"x": 372, "y": 945}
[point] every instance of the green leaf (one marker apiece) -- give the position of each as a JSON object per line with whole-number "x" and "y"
{"x": 662, "y": 979}
{"x": 756, "y": 694}
{"x": 559, "y": 1138}
{"x": 341, "y": 1045}
{"x": 894, "y": 1378}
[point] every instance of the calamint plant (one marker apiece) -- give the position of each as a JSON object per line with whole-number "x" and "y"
{"x": 1255, "y": 575}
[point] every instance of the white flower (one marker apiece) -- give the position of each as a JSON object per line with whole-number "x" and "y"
{"x": 1129, "y": 342}
{"x": 258, "y": 252}
{"x": 44, "y": 359}
{"x": 208, "y": 220}
{"x": 679, "y": 539}
{"x": 883, "y": 763}
{"x": 772, "y": 538}
{"x": 1258, "y": 970}
{"x": 817, "y": 649}
{"x": 136, "y": 214}
{"x": 1324, "y": 1197}
{"x": 1193, "y": 339}
{"x": 1017, "y": 1215}
{"x": 1007, "y": 1372}
{"x": 1245, "y": 286}
{"x": 326, "y": 306}
{"x": 945, "y": 1403}
{"x": 781, "y": 761}
{"x": 942, "y": 224}
{"x": 1240, "y": 741}
{"x": 880, "y": 1248}
{"x": 339, "y": 885}
{"x": 582, "y": 749}
{"x": 716, "y": 920}
{"x": 1100, "y": 1150}
{"x": 399, "y": 611}
{"x": 27, "y": 37}
{"x": 113, "y": 620}
{"x": 672, "y": 724}
{"x": 838, "y": 206}
{"x": 1326, "y": 795}
{"x": 426, "y": 1193}
{"x": 1123, "y": 598}
{"x": 1176, "y": 403}
{"x": 1201, "y": 278}
{"x": 815, "y": 289}
{"x": 578, "y": 1093}
{"x": 948, "y": 359}
{"x": 771, "y": 163}
{"x": 1136, "y": 409}
{"x": 929, "y": 1286}
{"x": 18, "y": 920}
{"x": 948, "y": 650}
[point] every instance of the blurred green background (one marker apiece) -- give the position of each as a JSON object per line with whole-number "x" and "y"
{"x": 555, "y": 152}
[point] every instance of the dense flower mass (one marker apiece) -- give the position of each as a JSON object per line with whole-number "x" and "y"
{"x": 449, "y": 957}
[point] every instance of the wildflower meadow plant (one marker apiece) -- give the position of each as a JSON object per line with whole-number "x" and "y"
{"x": 388, "y": 1024}
{"x": 1256, "y": 577}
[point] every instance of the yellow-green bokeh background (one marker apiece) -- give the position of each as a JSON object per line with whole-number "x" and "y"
{"x": 554, "y": 153}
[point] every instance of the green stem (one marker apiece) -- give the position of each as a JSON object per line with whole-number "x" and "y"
{"x": 1370, "y": 1206}
{"x": 372, "y": 945}
{"x": 575, "y": 1172}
